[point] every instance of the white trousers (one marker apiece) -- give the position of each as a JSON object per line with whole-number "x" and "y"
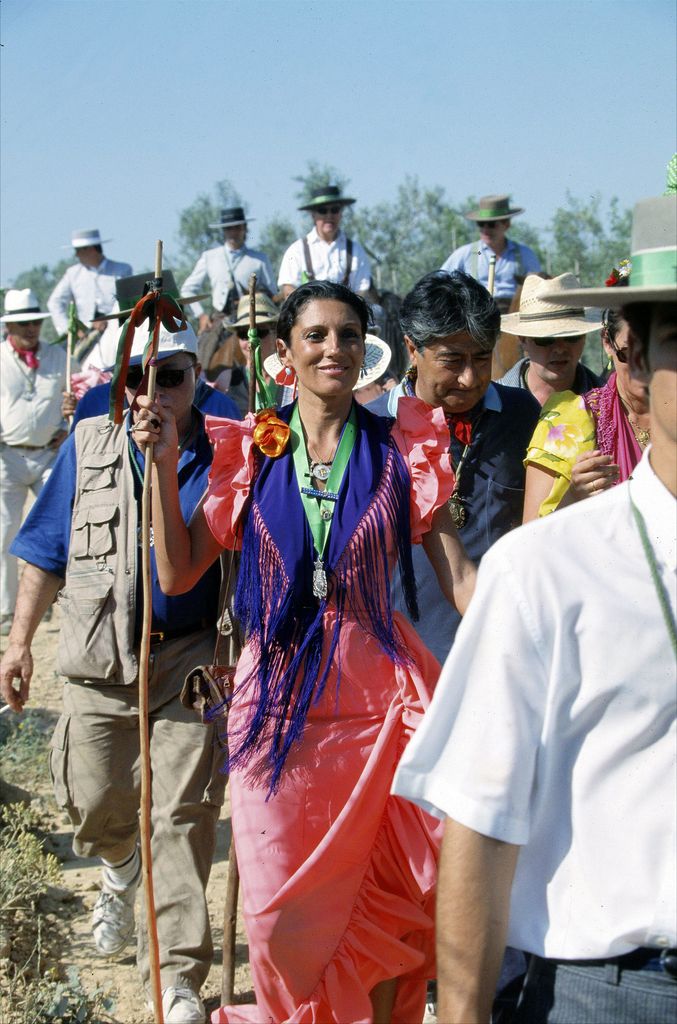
{"x": 21, "y": 470}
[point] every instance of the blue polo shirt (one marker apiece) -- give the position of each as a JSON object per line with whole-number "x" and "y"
{"x": 44, "y": 538}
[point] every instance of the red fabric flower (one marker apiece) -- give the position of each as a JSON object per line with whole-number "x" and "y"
{"x": 461, "y": 427}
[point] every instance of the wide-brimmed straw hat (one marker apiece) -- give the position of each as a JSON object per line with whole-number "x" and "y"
{"x": 376, "y": 361}
{"x": 266, "y": 312}
{"x": 128, "y": 291}
{"x": 327, "y": 195}
{"x": 21, "y": 306}
{"x": 494, "y": 208}
{"x": 84, "y": 237}
{"x": 539, "y": 319}
{"x": 653, "y": 277}
{"x": 230, "y": 216}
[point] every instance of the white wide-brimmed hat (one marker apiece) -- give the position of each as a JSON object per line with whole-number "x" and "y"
{"x": 539, "y": 319}
{"x": 653, "y": 259}
{"x": 21, "y": 306}
{"x": 84, "y": 237}
{"x": 377, "y": 357}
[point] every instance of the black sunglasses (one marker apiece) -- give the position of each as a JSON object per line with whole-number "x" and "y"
{"x": 547, "y": 342}
{"x": 166, "y": 377}
{"x": 327, "y": 209}
{"x": 262, "y": 332}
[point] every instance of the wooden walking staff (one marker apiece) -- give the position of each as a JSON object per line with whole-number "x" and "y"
{"x": 144, "y": 658}
{"x": 233, "y": 884}
{"x": 492, "y": 273}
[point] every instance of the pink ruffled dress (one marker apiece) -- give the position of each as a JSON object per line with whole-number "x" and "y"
{"x": 338, "y": 876}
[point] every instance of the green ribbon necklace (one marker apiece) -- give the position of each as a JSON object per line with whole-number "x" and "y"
{"x": 319, "y": 505}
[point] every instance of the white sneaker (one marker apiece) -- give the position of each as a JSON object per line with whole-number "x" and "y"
{"x": 113, "y": 918}
{"x": 181, "y": 1006}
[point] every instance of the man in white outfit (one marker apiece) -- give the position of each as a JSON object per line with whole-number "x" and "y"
{"x": 325, "y": 253}
{"x": 89, "y": 283}
{"x": 32, "y": 380}
{"x": 229, "y": 267}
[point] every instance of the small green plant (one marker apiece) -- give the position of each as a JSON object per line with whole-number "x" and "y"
{"x": 24, "y": 749}
{"x": 25, "y": 871}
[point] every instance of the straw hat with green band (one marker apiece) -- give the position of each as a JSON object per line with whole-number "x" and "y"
{"x": 494, "y": 208}
{"x": 653, "y": 277}
{"x": 327, "y": 195}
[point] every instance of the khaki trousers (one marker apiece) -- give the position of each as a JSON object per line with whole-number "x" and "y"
{"x": 96, "y": 774}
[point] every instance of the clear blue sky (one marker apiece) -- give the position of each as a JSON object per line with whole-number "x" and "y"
{"x": 116, "y": 114}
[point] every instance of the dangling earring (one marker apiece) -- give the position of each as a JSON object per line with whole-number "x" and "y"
{"x": 286, "y": 377}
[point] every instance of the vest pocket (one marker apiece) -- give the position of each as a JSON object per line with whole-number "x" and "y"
{"x": 87, "y": 644}
{"x": 93, "y": 534}
{"x": 97, "y": 470}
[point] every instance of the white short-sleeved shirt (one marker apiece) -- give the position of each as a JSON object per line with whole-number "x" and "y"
{"x": 553, "y": 725}
{"x": 328, "y": 260}
{"x": 226, "y": 268}
{"x": 92, "y": 289}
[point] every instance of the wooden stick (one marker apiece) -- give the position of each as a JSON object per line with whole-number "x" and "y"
{"x": 70, "y": 342}
{"x": 230, "y": 927}
{"x": 144, "y": 729}
{"x": 252, "y": 327}
{"x": 492, "y": 273}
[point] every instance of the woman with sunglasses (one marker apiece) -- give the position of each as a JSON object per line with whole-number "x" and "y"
{"x": 324, "y": 498}
{"x": 584, "y": 445}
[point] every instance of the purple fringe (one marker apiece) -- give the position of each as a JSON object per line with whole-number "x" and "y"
{"x": 286, "y": 633}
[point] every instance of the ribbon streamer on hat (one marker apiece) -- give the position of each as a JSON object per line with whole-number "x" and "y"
{"x": 158, "y": 308}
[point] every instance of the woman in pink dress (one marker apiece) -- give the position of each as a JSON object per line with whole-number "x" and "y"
{"x": 323, "y": 498}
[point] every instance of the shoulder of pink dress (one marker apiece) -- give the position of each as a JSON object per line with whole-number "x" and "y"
{"x": 230, "y": 476}
{"x": 422, "y": 435}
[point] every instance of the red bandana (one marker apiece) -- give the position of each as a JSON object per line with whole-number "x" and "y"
{"x": 29, "y": 356}
{"x": 461, "y": 427}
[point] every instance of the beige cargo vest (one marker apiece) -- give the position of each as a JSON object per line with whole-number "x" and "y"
{"x": 98, "y": 600}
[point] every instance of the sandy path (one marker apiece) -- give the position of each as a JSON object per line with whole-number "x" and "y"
{"x": 119, "y": 976}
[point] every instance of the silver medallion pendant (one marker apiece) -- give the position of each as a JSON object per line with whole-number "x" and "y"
{"x": 319, "y": 581}
{"x": 458, "y": 512}
{"x": 320, "y": 470}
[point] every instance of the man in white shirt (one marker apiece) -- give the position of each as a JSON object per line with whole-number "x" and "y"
{"x": 229, "y": 267}
{"x": 513, "y": 260}
{"x": 32, "y": 380}
{"x": 89, "y": 283}
{"x": 325, "y": 253}
{"x": 552, "y": 732}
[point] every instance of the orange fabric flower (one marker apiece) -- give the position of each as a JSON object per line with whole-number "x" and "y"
{"x": 270, "y": 433}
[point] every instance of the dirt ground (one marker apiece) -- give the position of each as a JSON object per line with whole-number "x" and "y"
{"x": 118, "y": 976}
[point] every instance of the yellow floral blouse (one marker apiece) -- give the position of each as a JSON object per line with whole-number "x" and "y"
{"x": 565, "y": 429}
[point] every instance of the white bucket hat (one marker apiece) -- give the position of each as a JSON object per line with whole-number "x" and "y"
{"x": 557, "y": 318}
{"x": 85, "y": 237}
{"x": 21, "y": 306}
{"x": 377, "y": 357}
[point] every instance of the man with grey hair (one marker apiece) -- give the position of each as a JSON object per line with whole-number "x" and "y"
{"x": 450, "y": 325}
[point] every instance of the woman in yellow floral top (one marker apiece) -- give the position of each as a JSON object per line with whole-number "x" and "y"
{"x": 584, "y": 444}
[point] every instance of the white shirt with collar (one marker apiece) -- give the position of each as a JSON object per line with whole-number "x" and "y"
{"x": 553, "y": 725}
{"x": 515, "y": 260}
{"x": 30, "y": 400}
{"x": 224, "y": 266}
{"x": 92, "y": 289}
{"x": 328, "y": 260}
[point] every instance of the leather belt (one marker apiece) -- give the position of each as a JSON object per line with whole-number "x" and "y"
{"x": 645, "y": 958}
{"x": 159, "y": 636}
{"x": 26, "y": 447}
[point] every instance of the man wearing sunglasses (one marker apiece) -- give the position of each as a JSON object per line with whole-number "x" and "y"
{"x": 81, "y": 541}
{"x": 553, "y": 337}
{"x": 513, "y": 260}
{"x": 325, "y": 253}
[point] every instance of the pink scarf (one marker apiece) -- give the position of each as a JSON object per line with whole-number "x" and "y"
{"x": 614, "y": 432}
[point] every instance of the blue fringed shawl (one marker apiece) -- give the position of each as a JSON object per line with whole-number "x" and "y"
{"x": 274, "y": 601}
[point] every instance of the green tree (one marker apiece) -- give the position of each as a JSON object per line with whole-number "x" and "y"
{"x": 275, "y": 238}
{"x": 194, "y": 234}
{"x": 587, "y": 242}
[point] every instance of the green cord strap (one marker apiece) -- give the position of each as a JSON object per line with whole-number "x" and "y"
{"x": 320, "y": 512}
{"x": 659, "y": 586}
